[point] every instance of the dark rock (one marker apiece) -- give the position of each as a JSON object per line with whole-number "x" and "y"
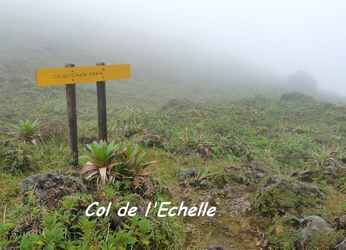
{"x": 329, "y": 168}
{"x": 223, "y": 179}
{"x": 30, "y": 224}
{"x": 277, "y": 196}
{"x": 50, "y": 188}
{"x": 332, "y": 169}
{"x": 296, "y": 186}
{"x": 341, "y": 222}
{"x": 116, "y": 221}
{"x": 308, "y": 189}
{"x": 341, "y": 245}
{"x": 187, "y": 173}
{"x": 255, "y": 171}
{"x": 152, "y": 140}
{"x": 306, "y": 175}
{"x": 292, "y": 221}
{"x": 343, "y": 159}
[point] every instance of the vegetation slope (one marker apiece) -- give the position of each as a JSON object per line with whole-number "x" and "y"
{"x": 265, "y": 160}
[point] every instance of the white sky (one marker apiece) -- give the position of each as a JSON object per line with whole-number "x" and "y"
{"x": 279, "y": 35}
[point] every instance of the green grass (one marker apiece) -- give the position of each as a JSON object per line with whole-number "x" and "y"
{"x": 209, "y": 131}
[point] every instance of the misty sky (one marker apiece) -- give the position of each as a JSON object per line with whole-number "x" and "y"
{"x": 276, "y": 35}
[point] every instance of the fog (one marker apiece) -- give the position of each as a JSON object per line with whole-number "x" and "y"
{"x": 182, "y": 41}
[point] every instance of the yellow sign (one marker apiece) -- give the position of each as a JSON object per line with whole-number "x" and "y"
{"x": 84, "y": 74}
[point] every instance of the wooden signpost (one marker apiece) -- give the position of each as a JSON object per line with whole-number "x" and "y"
{"x": 69, "y": 76}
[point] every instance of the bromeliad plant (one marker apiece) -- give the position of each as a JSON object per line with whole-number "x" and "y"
{"x": 131, "y": 161}
{"x": 100, "y": 158}
{"x": 27, "y": 130}
{"x": 108, "y": 162}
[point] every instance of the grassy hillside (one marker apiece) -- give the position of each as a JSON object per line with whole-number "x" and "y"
{"x": 265, "y": 162}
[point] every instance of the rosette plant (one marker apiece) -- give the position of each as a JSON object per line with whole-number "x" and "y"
{"x": 100, "y": 161}
{"x": 131, "y": 161}
{"x": 107, "y": 162}
{"x": 27, "y": 130}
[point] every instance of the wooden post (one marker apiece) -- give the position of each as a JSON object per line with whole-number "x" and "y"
{"x": 101, "y": 108}
{"x": 72, "y": 119}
